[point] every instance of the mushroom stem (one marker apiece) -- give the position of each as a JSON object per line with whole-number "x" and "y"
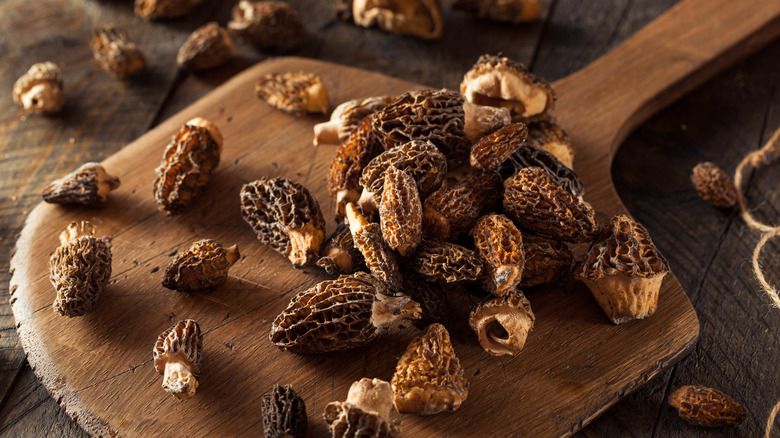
{"x": 178, "y": 380}
{"x": 387, "y": 309}
{"x": 317, "y": 98}
{"x": 232, "y": 255}
{"x": 372, "y": 396}
{"x": 367, "y": 201}
{"x": 304, "y": 243}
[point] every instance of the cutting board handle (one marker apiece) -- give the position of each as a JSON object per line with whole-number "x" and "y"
{"x": 681, "y": 49}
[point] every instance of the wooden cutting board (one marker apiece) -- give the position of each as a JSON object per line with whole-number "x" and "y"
{"x": 575, "y": 365}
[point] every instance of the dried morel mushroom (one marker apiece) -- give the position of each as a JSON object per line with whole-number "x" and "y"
{"x": 345, "y": 118}
{"x": 177, "y": 354}
{"x": 417, "y": 18}
{"x": 40, "y": 89}
{"x": 433, "y": 300}
{"x": 114, "y": 51}
{"x": 419, "y": 159}
{"x": 188, "y": 162}
{"x": 548, "y": 136}
{"x": 504, "y": 83}
{"x": 379, "y": 258}
{"x": 529, "y": 156}
{"x": 284, "y": 413}
{"x": 500, "y": 244}
{"x": 714, "y": 185}
{"x": 502, "y": 323}
{"x": 161, "y": 9}
{"x": 545, "y": 260}
{"x": 492, "y": 150}
{"x": 703, "y": 406}
{"x": 341, "y": 314}
{"x": 296, "y": 93}
{"x": 482, "y": 120}
{"x": 624, "y": 270}
{"x": 433, "y": 115}
{"x": 428, "y": 378}
{"x": 534, "y": 200}
{"x": 452, "y": 210}
{"x": 348, "y": 164}
{"x": 271, "y": 26}
{"x": 447, "y": 261}
{"x": 204, "y": 265}
{"x": 507, "y": 11}
{"x": 88, "y": 185}
{"x": 400, "y": 212}
{"x": 208, "y": 47}
{"x": 365, "y": 414}
{"x": 79, "y": 269}
{"x": 340, "y": 255}
{"x": 285, "y": 216}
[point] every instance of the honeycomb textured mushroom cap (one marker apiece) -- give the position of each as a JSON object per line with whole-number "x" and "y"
{"x": 504, "y": 83}
{"x": 284, "y": 413}
{"x": 493, "y": 149}
{"x": 271, "y": 26}
{"x": 530, "y": 156}
{"x": 346, "y": 117}
{"x": 500, "y": 245}
{"x": 452, "y": 210}
{"x": 365, "y": 413}
{"x": 400, "y": 212}
{"x": 285, "y": 216}
{"x": 546, "y": 260}
{"x": 115, "y": 53}
{"x": 428, "y": 378}
{"x": 707, "y": 407}
{"x": 40, "y": 89}
{"x": 88, "y": 185}
{"x": 204, "y": 265}
{"x": 295, "y": 93}
{"x": 534, "y": 200}
{"x": 448, "y": 262}
{"x": 548, "y": 136}
{"x": 79, "y": 269}
{"x": 506, "y": 11}
{"x": 379, "y": 258}
{"x": 714, "y": 185}
{"x": 624, "y": 270}
{"x": 163, "y": 9}
{"x": 434, "y": 305}
{"x": 502, "y": 323}
{"x": 208, "y": 47}
{"x": 417, "y": 18}
{"x": 177, "y": 356}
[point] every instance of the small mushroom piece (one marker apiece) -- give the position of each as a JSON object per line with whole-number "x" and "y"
{"x": 203, "y": 266}
{"x": 79, "y": 269}
{"x": 114, "y": 51}
{"x": 188, "y": 162}
{"x": 177, "y": 355}
{"x": 505, "y": 11}
{"x": 481, "y": 120}
{"x": 492, "y": 150}
{"x": 504, "y": 83}
{"x": 208, "y": 47}
{"x": 285, "y": 216}
{"x": 428, "y": 378}
{"x": 40, "y": 89}
{"x": 346, "y": 117}
{"x": 624, "y": 270}
{"x": 500, "y": 244}
{"x": 162, "y": 9}
{"x": 400, "y": 212}
{"x": 714, "y": 185}
{"x": 340, "y": 255}
{"x": 284, "y": 413}
{"x": 502, "y": 323}
{"x": 546, "y": 260}
{"x": 707, "y": 407}
{"x": 295, "y": 93}
{"x": 417, "y": 18}
{"x": 365, "y": 414}
{"x": 88, "y": 185}
{"x": 548, "y": 136}
{"x": 379, "y": 258}
{"x": 529, "y": 156}
{"x": 445, "y": 261}
{"x": 271, "y": 26}
{"x": 534, "y": 200}
{"x": 451, "y": 211}
{"x": 337, "y": 315}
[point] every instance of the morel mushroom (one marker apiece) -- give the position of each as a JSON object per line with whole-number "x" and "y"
{"x": 428, "y": 378}
{"x": 268, "y": 25}
{"x": 624, "y": 270}
{"x": 341, "y": 314}
{"x": 445, "y": 261}
{"x": 162, "y": 9}
{"x": 208, "y": 47}
{"x": 502, "y": 323}
{"x": 530, "y": 156}
{"x": 545, "y": 260}
{"x": 365, "y": 413}
{"x": 400, "y": 212}
{"x": 492, "y": 150}
{"x": 285, "y": 216}
{"x": 434, "y": 305}
{"x": 452, "y": 210}
{"x": 114, "y": 51}
{"x": 295, "y": 93}
{"x": 418, "y": 18}
{"x": 482, "y": 120}
{"x": 707, "y": 407}
{"x": 548, "y": 136}
{"x": 40, "y": 89}
{"x": 204, "y": 265}
{"x": 79, "y": 269}
{"x": 379, "y": 258}
{"x": 284, "y": 413}
{"x": 346, "y": 117}
{"x": 506, "y": 11}
{"x": 503, "y": 83}
{"x": 88, "y": 185}
{"x": 713, "y": 185}
{"x": 340, "y": 255}
{"x": 534, "y": 200}
{"x": 500, "y": 244}
{"x": 177, "y": 354}
{"x": 188, "y": 162}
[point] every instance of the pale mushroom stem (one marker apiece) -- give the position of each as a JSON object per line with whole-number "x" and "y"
{"x": 178, "y": 380}
{"x": 232, "y": 255}
{"x": 387, "y": 309}
{"x": 372, "y": 395}
{"x": 367, "y": 201}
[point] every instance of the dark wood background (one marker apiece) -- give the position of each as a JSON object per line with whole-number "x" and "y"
{"x": 709, "y": 249}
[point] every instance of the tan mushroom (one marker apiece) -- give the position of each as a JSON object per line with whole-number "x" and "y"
{"x": 345, "y": 118}
{"x": 417, "y": 18}
{"x": 88, "y": 185}
{"x": 502, "y": 323}
{"x": 295, "y": 93}
{"x": 365, "y": 413}
{"x": 177, "y": 356}
{"x": 40, "y": 89}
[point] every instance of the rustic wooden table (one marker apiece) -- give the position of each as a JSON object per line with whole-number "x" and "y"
{"x": 708, "y": 249}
